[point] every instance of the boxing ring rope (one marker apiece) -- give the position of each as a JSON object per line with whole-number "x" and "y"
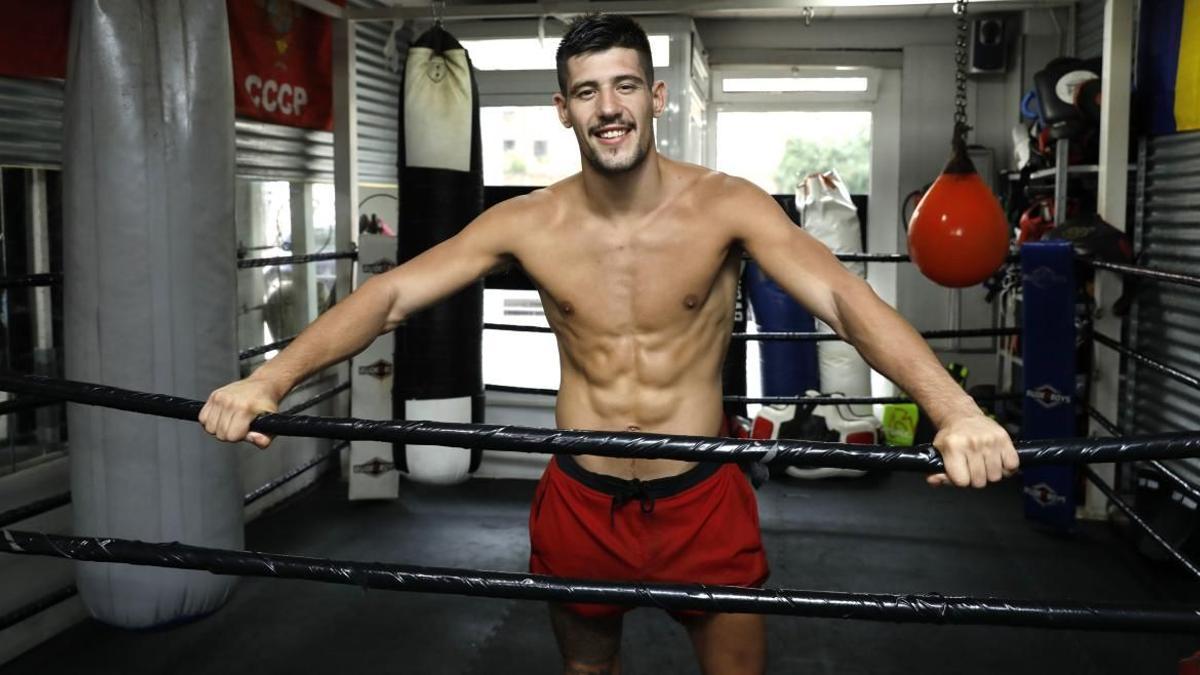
{"x": 1175, "y": 479}
{"x": 53, "y": 598}
{"x": 767, "y": 400}
{"x": 1139, "y": 522}
{"x": 34, "y": 508}
{"x": 852, "y": 400}
{"x": 259, "y": 351}
{"x": 27, "y": 403}
{"x": 808, "y": 336}
{"x": 883, "y": 257}
{"x": 1104, "y": 422}
{"x": 31, "y": 609}
{"x": 1147, "y": 273}
{"x": 271, "y": 486}
{"x": 1165, "y": 471}
{"x": 900, "y": 608}
{"x": 922, "y": 458}
{"x": 1144, "y": 360}
{"x": 31, "y": 281}
{"x": 319, "y": 398}
{"x": 296, "y": 259}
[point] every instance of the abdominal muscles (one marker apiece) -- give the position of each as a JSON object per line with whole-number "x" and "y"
{"x": 663, "y": 376}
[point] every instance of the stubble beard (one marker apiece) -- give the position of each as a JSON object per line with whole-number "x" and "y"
{"x": 613, "y": 166}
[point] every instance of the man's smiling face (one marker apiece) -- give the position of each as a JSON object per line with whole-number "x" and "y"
{"x": 611, "y": 108}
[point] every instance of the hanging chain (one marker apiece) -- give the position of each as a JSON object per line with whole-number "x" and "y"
{"x": 960, "y": 72}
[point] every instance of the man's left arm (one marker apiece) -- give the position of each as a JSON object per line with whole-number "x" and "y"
{"x": 975, "y": 449}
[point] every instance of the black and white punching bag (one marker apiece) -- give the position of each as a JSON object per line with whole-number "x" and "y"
{"x": 733, "y": 371}
{"x": 150, "y": 292}
{"x": 438, "y": 372}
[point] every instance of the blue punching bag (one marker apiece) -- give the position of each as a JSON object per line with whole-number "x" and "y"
{"x": 789, "y": 367}
{"x": 439, "y": 372}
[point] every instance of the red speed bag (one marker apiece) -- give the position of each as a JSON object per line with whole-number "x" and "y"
{"x": 958, "y": 235}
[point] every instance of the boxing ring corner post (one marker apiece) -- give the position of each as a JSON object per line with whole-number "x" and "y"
{"x": 1048, "y": 371}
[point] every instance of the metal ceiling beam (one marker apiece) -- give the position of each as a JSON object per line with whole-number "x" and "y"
{"x": 415, "y": 9}
{"x": 324, "y": 7}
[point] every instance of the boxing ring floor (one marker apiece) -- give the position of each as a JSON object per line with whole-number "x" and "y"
{"x": 881, "y": 533}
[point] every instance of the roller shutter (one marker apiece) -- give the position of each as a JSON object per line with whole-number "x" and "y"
{"x": 1165, "y": 321}
{"x": 31, "y": 130}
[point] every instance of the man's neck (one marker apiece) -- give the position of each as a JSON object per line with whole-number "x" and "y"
{"x": 635, "y": 192}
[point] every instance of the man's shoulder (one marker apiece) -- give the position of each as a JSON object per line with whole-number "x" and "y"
{"x": 538, "y": 205}
{"x": 721, "y": 190}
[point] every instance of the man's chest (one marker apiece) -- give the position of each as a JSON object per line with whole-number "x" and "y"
{"x": 624, "y": 277}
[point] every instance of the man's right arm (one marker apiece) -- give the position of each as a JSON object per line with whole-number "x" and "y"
{"x": 376, "y": 307}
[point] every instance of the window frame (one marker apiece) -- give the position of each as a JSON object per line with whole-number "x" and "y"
{"x": 793, "y": 98}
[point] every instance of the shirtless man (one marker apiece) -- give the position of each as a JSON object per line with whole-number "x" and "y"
{"x": 636, "y": 259}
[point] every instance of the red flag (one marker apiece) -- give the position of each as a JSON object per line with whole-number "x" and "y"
{"x": 33, "y": 38}
{"x": 282, "y": 62}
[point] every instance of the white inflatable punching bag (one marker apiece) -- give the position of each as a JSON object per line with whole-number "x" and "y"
{"x": 438, "y": 351}
{"x": 149, "y": 250}
{"x": 829, "y": 215}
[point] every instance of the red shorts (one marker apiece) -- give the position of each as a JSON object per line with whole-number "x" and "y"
{"x": 698, "y": 527}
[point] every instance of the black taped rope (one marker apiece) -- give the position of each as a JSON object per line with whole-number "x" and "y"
{"x": 1147, "y": 273}
{"x": 507, "y": 389}
{"x": 824, "y": 336}
{"x": 850, "y": 400}
{"x": 808, "y": 336}
{"x": 1104, "y": 422}
{"x": 776, "y": 400}
{"x": 1180, "y": 483}
{"x": 259, "y": 351}
{"x": 296, "y": 259}
{"x": 922, "y": 458}
{"x": 885, "y": 257}
{"x": 319, "y": 398}
{"x": 915, "y": 608}
{"x": 863, "y": 257}
{"x": 53, "y": 598}
{"x": 516, "y": 328}
{"x": 267, "y": 488}
{"x": 34, "y": 508}
{"x": 36, "y": 607}
{"x": 31, "y": 281}
{"x": 28, "y": 403}
{"x": 1142, "y": 359}
{"x": 1140, "y": 522}
{"x": 874, "y": 257}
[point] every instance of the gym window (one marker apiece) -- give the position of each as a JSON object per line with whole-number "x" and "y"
{"x": 775, "y": 148}
{"x": 31, "y": 318}
{"x": 526, "y": 145}
{"x": 271, "y": 305}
